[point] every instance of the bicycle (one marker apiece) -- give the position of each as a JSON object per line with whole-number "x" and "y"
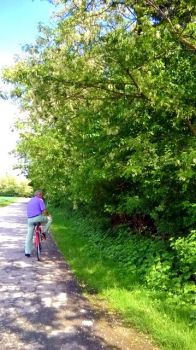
{"x": 38, "y": 237}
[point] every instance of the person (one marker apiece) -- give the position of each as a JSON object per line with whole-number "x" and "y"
{"x": 36, "y": 212}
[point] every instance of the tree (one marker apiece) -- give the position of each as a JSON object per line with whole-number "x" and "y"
{"x": 110, "y": 114}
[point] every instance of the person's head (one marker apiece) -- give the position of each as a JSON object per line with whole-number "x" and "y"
{"x": 39, "y": 194}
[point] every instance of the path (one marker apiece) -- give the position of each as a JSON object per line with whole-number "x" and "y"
{"x": 41, "y": 307}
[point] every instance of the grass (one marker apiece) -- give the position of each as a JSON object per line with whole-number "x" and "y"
{"x": 153, "y": 313}
{"x": 7, "y": 200}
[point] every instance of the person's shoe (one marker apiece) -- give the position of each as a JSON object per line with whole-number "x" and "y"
{"x": 28, "y": 255}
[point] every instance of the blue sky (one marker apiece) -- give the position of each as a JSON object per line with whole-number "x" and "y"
{"x": 19, "y": 20}
{"x": 18, "y": 26}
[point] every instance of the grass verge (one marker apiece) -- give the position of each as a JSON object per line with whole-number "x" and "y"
{"x": 7, "y": 200}
{"x": 154, "y": 313}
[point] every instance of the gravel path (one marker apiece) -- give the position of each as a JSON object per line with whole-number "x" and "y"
{"x": 40, "y": 302}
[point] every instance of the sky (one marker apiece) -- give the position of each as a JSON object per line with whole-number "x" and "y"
{"x": 18, "y": 26}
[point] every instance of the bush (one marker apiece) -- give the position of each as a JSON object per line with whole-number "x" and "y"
{"x": 159, "y": 265}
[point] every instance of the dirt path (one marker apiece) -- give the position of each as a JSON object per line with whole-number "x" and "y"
{"x": 41, "y": 307}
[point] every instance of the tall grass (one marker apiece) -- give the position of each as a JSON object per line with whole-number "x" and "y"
{"x": 98, "y": 268}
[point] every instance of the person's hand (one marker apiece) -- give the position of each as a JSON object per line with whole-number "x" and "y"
{"x": 45, "y": 212}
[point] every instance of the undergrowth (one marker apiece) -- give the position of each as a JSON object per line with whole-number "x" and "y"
{"x": 150, "y": 282}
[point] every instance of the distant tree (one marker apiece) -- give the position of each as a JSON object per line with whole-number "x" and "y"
{"x": 11, "y": 186}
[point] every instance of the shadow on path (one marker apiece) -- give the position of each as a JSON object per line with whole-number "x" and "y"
{"x": 41, "y": 307}
{"x": 41, "y": 304}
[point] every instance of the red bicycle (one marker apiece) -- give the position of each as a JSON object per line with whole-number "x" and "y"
{"x": 39, "y": 236}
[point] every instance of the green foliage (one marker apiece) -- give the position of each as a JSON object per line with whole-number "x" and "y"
{"x": 158, "y": 265}
{"x": 11, "y": 186}
{"x": 110, "y": 116}
{"x": 140, "y": 278}
{"x": 185, "y": 251}
{"x": 185, "y": 248}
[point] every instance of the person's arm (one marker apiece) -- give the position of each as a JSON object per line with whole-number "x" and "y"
{"x": 42, "y": 206}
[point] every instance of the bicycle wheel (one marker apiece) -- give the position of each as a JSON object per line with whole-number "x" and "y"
{"x": 38, "y": 241}
{"x": 38, "y": 249}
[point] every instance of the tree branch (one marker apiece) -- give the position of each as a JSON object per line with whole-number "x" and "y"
{"x": 182, "y": 39}
{"x": 191, "y": 127}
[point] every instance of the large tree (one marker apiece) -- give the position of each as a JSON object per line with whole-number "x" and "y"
{"x": 109, "y": 96}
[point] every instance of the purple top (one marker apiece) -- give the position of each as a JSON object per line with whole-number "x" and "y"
{"x": 35, "y": 207}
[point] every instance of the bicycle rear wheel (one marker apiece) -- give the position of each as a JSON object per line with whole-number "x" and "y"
{"x": 38, "y": 241}
{"x": 38, "y": 250}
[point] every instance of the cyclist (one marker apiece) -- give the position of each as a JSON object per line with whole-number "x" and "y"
{"x": 36, "y": 212}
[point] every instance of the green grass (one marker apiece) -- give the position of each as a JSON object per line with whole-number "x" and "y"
{"x": 7, "y": 200}
{"x": 168, "y": 322}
